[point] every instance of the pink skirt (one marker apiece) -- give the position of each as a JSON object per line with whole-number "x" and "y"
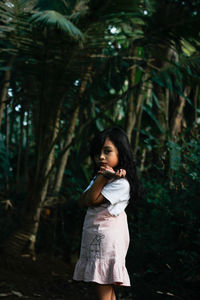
{"x": 105, "y": 241}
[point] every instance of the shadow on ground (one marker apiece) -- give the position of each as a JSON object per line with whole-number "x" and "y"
{"x": 47, "y": 278}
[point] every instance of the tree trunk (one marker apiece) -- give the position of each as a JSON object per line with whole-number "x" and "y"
{"x": 143, "y": 158}
{"x": 4, "y": 91}
{"x": 65, "y": 155}
{"x": 131, "y": 118}
{"x": 195, "y": 111}
{"x": 160, "y": 110}
{"x": 25, "y": 236}
{"x": 139, "y": 120}
{"x": 161, "y": 114}
{"x": 20, "y": 146}
{"x": 7, "y": 140}
{"x": 7, "y": 128}
{"x": 44, "y": 189}
{"x": 146, "y": 88}
{"x": 130, "y": 115}
{"x": 71, "y": 130}
{"x": 12, "y": 120}
{"x": 178, "y": 116}
{"x": 26, "y": 161}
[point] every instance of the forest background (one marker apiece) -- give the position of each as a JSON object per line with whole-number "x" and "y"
{"x": 71, "y": 68}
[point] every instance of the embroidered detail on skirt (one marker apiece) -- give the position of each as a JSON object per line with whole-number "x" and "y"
{"x": 105, "y": 241}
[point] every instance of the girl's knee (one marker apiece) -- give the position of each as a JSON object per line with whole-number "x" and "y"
{"x": 105, "y": 292}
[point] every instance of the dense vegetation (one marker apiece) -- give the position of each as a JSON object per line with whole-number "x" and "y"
{"x": 71, "y": 68}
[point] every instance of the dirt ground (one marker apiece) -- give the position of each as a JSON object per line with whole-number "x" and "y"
{"x": 47, "y": 278}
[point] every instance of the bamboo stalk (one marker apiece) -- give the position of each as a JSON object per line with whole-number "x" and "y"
{"x": 4, "y": 91}
{"x": 27, "y": 150}
{"x": 71, "y": 129}
{"x": 20, "y": 146}
{"x": 178, "y": 119}
{"x": 195, "y": 110}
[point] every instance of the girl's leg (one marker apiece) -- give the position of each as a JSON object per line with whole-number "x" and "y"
{"x": 113, "y": 294}
{"x": 105, "y": 292}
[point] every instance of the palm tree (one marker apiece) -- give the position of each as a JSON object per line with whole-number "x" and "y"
{"x": 46, "y": 78}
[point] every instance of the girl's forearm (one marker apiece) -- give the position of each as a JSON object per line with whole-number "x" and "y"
{"x": 93, "y": 195}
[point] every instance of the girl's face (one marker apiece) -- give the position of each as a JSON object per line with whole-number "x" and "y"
{"x": 108, "y": 155}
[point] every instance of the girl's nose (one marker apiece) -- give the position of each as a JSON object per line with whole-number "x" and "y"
{"x": 102, "y": 156}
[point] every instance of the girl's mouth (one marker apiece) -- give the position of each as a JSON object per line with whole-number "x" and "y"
{"x": 103, "y": 164}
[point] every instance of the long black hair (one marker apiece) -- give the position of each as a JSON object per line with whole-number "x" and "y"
{"x": 119, "y": 138}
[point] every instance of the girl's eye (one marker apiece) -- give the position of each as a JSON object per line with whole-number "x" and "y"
{"x": 107, "y": 151}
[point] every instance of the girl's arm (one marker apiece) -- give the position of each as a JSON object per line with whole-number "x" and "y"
{"x": 93, "y": 195}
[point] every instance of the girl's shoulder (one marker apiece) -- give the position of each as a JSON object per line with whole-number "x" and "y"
{"x": 117, "y": 190}
{"x": 119, "y": 183}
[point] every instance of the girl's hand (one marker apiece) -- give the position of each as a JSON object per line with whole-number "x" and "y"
{"x": 107, "y": 172}
{"x": 110, "y": 173}
{"x": 121, "y": 173}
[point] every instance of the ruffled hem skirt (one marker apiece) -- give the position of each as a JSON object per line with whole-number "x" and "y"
{"x": 105, "y": 241}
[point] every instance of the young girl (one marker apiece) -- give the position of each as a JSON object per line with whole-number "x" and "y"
{"x": 105, "y": 237}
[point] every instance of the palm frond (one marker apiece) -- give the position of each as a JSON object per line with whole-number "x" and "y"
{"x": 14, "y": 26}
{"x": 52, "y": 17}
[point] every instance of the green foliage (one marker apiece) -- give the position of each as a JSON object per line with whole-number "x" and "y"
{"x": 165, "y": 249}
{"x": 152, "y": 116}
{"x": 4, "y": 165}
{"x": 52, "y": 17}
{"x": 175, "y": 155}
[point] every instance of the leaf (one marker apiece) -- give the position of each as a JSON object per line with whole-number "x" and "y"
{"x": 55, "y": 18}
{"x": 4, "y": 162}
{"x": 18, "y": 294}
{"x": 175, "y": 155}
{"x": 6, "y": 68}
{"x": 150, "y": 113}
{"x": 99, "y": 124}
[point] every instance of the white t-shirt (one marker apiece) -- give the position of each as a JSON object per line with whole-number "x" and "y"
{"x": 117, "y": 192}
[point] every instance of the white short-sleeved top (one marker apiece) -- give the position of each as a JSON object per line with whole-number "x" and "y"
{"x": 117, "y": 192}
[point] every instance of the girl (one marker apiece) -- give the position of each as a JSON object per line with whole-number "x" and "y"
{"x": 105, "y": 237}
